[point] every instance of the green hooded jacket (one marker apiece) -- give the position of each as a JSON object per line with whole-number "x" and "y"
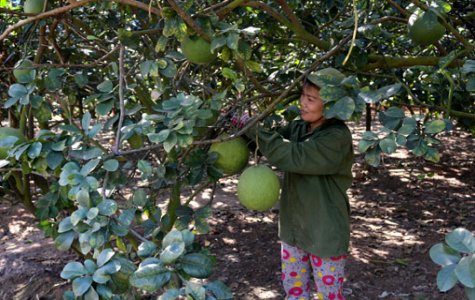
{"x": 314, "y": 206}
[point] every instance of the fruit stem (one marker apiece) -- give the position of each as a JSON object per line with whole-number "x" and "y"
{"x": 257, "y": 145}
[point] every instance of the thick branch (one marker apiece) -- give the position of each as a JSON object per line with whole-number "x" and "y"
{"x": 387, "y": 62}
{"x": 140, "y": 5}
{"x": 50, "y": 13}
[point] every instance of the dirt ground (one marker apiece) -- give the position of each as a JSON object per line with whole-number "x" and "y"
{"x": 398, "y": 212}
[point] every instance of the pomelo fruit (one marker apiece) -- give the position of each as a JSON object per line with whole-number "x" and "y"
{"x": 258, "y": 188}
{"x": 232, "y": 155}
{"x": 197, "y": 50}
{"x": 9, "y": 132}
{"x": 425, "y": 29}
{"x": 34, "y": 6}
{"x": 23, "y": 71}
{"x": 136, "y": 141}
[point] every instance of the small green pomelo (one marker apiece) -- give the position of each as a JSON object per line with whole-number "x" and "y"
{"x": 425, "y": 29}
{"x": 34, "y": 6}
{"x": 7, "y": 132}
{"x": 197, "y": 50}
{"x": 136, "y": 141}
{"x": 23, "y": 71}
{"x": 232, "y": 155}
{"x": 258, "y": 188}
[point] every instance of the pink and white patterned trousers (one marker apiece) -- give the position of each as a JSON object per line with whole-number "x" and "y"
{"x": 297, "y": 268}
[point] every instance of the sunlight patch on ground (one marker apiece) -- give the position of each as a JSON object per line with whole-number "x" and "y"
{"x": 264, "y": 293}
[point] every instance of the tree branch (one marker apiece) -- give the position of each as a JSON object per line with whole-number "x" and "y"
{"x": 297, "y": 27}
{"x": 47, "y": 14}
{"x": 140, "y": 5}
{"x": 387, "y": 62}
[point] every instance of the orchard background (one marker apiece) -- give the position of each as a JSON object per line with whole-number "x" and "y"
{"x": 117, "y": 102}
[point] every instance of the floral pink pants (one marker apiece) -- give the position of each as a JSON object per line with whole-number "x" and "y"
{"x": 297, "y": 268}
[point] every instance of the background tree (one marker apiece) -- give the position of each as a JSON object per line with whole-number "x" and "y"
{"x": 123, "y": 97}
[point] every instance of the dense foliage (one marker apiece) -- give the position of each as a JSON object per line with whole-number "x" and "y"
{"x": 118, "y": 102}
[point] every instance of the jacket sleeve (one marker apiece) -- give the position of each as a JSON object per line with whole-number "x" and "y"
{"x": 320, "y": 154}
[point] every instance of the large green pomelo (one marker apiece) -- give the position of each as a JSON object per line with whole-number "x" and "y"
{"x": 425, "y": 29}
{"x": 34, "y": 6}
{"x": 258, "y": 188}
{"x": 232, "y": 155}
{"x": 6, "y": 132}
{"x": 197, "y": 50}
{"x": 23, "y": 71}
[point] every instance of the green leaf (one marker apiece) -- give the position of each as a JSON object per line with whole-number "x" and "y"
{"x": 461, "y": 240}
{"x": 172, "y": 237}
{"x": 343, "y": 109}
{"x": 87, "y": 154}
{"x": 465, "y": 271}
{"x": 86, "y": 121}
{"x": 443, "y": 255}
{"x": 83, "y": 198}
{"x": 218, "y": 43}
{"x": 78, "y": 215}
{"x": 229, "y": 73}
{"x": 446, "y": 278}
{"x": 105, "y": 256}
{"x": 91, "y": 294}
{"x": 81, "y": 285}
{"x": 104, "y": 292}
{"x": 435, "y": 126}
{"x": 64, "y": 240}
{"x": 72, "y": 270}
{"x": 219, "y": 290}
{"x": 34, "y": 150}
{"x": 111, "y": 165}
{"x": 89, "y": 167}
{"x": 170, "y": 142}
{"x": 17, "y": 91}
{"x": 469, "y": 66}
{"x": 146, "y": 249}
{"x": 106, "y": 86}
{"x": 170, "y": 294}
{"x": 197, "y": 265}
{"x": 432, "y": 155}
{"x": 65, "y": 225}
{"x": 364, "y": 145}
{"x": 232, "y": 41}
{"x": 107, "y": 207}
{"x": 373, "y": 157}
{"x": 150, "y": 277}
{"x": 81, "y": 79}
{"x": 195, "y": 290}
{"x": 159, "y": 137}
{"x": 470, "y": 292}
{"x": 388, "y": 144}
{"x": 172, "y": 252}
{"x": 139, "y": 198}
{"x": 127, "y": 217}
{"x": 90, "y": 266}
{"x": 54, "y": 159}
{"x": 170, "y": 71}
{"x": 331, "y": 93}
{"x": 409, "y": 125}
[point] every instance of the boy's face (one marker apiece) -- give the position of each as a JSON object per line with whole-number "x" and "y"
{"x": 311, "y": 106}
